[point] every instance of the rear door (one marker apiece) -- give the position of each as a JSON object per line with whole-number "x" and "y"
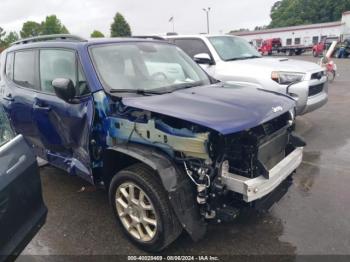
{"x": 21, "y": 83}
{"x": 195, "y": 46}
{"x": 22, "y": 211}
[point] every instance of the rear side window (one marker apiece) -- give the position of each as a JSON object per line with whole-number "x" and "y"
{"x": 24, "y": 69}
{"x": 9, "y": 66}
{"x": 6, "y": 133}
{"x": 192, "y": 46}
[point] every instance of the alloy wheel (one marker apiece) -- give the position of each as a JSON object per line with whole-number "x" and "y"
{"x": 136, "y": 211}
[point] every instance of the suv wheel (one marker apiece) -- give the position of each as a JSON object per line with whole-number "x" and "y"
{"x": 142, "y": 208}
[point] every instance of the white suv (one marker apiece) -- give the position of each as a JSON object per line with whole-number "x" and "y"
{"x": 233, "y": 59}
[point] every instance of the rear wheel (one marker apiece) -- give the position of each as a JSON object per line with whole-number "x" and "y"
{"x": 142, "y": 208}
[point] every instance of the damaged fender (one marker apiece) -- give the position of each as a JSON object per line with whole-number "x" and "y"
{"x": 180, "y": 190}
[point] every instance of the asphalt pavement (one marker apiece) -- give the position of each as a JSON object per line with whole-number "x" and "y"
{"x": 313, "y": 218}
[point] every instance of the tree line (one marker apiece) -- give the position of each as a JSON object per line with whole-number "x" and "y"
{"x": 52, "y": 25}
{"x": 302, "y": 12}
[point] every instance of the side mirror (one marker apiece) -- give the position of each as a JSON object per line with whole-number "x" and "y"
{"x": 203, "y": 58}
{"x": 64, "y": 89}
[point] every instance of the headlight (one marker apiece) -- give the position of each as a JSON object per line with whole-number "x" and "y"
{"x": 286, "y": 78}
{"x": 291, "y": 116}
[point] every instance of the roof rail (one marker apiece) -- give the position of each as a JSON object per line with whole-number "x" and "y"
{"x": 155, "y": 37}
{"x": 43, "y": 38}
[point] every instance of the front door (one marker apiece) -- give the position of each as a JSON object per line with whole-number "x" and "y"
{"x": 64, "y": 128}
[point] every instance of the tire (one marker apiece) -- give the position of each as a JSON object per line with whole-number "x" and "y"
{"x": 167, "y": 227}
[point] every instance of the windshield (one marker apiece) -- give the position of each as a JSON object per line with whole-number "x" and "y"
{"x": 146, "y": 67}
{"x": 233, "y": 48}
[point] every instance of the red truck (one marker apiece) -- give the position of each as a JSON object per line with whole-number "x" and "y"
{"x": 325, "y": 43}
{"x": 269, "y": 46}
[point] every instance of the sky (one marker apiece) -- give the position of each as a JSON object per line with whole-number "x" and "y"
{"x": 144, "y": 16}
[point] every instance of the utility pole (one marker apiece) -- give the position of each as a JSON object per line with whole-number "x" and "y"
{"x": 172, "y": 20}
{"x": 207, "y": 10}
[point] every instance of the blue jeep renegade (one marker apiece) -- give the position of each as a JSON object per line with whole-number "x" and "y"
{"x": 175, "y": 148}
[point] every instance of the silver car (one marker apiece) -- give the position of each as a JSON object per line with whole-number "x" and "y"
{"x": 233, "y": 59}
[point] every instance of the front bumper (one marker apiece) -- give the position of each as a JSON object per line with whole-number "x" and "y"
{"x": 256, "y": 188}
{"x": 315, "y": 102}
{"x": 306, "y": 103}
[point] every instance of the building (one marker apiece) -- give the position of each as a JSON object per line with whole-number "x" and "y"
{"x": 303, "y": 34}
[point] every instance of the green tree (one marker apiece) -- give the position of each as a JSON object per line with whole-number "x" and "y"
{"x": 96, "y": 34}
{"x": 10, "y": 38}
{"x": 120, "y": 26}
{"x": 7, "y": 39}
{"x": 257, "y": 28}
{"x": 52, "y": 25}
{"x": 2, "y": 41}
{"x": 240, "y": 30}
{"x": 30, "y": 29}
{"x": 300, "y": 12}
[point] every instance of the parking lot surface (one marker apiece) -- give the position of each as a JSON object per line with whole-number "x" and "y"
{"x": 312, "y": 218}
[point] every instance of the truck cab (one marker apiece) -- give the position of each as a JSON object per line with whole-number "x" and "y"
{"x": 269, "y": 45}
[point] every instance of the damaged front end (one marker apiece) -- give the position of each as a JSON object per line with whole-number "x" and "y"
{"x": 248, "y": 166}
{"x": 212, "y": 174}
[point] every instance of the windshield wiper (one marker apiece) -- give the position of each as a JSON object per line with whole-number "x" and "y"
{"x": 159, "y": 91}
{"x": 138, "y": 91}
{"x": 185, "y": 85}
{"x": 242, "y": 58}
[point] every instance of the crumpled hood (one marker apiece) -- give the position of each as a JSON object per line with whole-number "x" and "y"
{"x": 277, "y": 64}
{"x": 227, "y": 109}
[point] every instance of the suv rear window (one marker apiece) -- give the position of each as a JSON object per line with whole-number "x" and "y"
{"x": 24, "y": 69}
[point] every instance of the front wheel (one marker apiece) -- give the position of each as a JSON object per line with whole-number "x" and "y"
{"x": 142, "y": 208}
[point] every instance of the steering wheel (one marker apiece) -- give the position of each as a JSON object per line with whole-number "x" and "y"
{"x": 160, "y": 76}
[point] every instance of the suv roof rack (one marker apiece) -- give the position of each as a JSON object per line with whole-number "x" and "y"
{"x": 44, "y": 38}
{"x": 155, "y": 37}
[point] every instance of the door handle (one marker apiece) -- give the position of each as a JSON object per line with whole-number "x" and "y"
{"x": 42, "y": 107}
{"x": 9, "y": 98}
{"x": 19, "y": 162}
